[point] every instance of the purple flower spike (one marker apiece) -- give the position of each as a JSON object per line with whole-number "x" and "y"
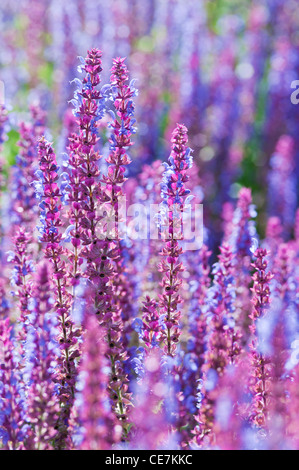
{"x": 49, "y": 194}
{"x": 98, "y": 247}
{"x": 223, "y": 342}
{"x": 261, "y": 365}
{"x": 21, "y": 277}
{"x": 82, "y": 164}
{"x": 119, "y": 102}
{"x": 173, "y": 191}
{"x": 261, "y": 290}
{"x": 150, "y": 326}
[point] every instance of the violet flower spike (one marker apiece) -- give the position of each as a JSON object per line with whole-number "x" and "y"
{"x": 21, "y": 278}
{"x": 150, "y": 328}
{"x": 105, "y": 268}
{"x": 49, "y": 193}
{"x": 260, "y": 363}
{"x": 119, "y": 101}
{"x": 222, "y": 342}
{"x": 173, "y": 193}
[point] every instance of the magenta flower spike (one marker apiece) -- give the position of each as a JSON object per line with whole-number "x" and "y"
{"x": 21, "y": 278}
{"x": 98, "y": 248}
{"x": 151, "y": 328}
{"x": 173, "y": 192}
{"x": 261, "y": 291}
{"x": 82, "y": 172}
{"x": 120, "y": 93}
{"x": 261, "y": 365}
{"x": 82, "y": 164}
{"x": 48, "y": 192}
{"x": 83, "y": 169}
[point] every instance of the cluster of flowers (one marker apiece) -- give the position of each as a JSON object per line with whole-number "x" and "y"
{"x": 109, "y": 342}
{"x": 224, "y": 72}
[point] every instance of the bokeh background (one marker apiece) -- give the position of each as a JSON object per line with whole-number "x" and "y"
{"x": 224, "y": 68}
